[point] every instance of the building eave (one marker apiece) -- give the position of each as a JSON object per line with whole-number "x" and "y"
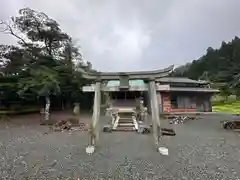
{"x": 178, "y": 89}
{"x": 180, "y": 80}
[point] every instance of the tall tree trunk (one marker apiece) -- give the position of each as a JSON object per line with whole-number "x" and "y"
{"x": 47, "y": 108}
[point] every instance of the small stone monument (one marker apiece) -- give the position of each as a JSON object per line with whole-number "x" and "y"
{"x": 76, "y": 110}
{"x": 90, "y": 148}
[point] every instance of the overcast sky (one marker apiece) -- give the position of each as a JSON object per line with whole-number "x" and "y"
{"x": 125, "y": 35}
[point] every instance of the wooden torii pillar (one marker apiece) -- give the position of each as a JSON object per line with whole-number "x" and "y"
{"x": 96, "y": 110}
{"x": 154, "y": 111}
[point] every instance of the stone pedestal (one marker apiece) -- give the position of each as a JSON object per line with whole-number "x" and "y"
{"x": 76, "y": 110}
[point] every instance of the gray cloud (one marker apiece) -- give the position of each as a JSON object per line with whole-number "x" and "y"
{"x": 122, "y": 35}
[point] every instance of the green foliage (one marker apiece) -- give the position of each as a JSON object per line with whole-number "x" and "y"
{"x": 43, "y": 82}
{"x": 227, "y": 105}
{"x": 220, "y": 100}
{"x": 220, "y": 66}
{"x": 232, "y": 105}
{"x": 44, "y": 63}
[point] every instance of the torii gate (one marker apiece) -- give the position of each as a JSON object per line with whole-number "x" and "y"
{"x": 147, "y": 76}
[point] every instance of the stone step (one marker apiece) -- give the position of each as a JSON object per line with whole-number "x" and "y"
{"x": 129, "y": 118}
{"x": 120, "y": 122}
{"x": 125, "y": 117}
{"x": 125, "y": 124}
{"x": 126, "y": 120}
{"x": 120, "y": 128}
{"x": 125, "y": 114}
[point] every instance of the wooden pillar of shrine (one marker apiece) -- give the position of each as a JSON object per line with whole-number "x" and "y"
{"x": 154, "y": 111}
{"x": 96, "y": 110}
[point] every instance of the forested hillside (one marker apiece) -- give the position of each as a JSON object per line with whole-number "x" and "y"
{"x": 220, "y": 66}
{"x": 42, "y": 67}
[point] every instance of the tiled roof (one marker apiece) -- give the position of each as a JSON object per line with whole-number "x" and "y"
{"x": 193, "y": 89}
{"x": 180, "y": 80}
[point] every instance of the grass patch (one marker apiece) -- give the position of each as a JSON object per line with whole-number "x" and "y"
{"x": 230, "y": 106}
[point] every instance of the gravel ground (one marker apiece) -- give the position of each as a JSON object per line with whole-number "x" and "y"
{"x": 201, "y": 150}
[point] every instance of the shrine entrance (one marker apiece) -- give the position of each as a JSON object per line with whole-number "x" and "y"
{"x": 125, "y": 93}
{"x": 129, "y": 98}
{"x": 124, "y": 98}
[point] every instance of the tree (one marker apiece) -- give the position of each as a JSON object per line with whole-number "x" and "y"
{"x": 44, "y": 63}
{"x": 40, "y": 39}
{"x": 204, "y": 76}
{"x": 45, "y": 59}
{"x": 36, "y": 30}
{"x": 222, "y": 65}
{"x": 42, "y": 82}
{"x": 225, "y": 91}
{"x": 181, "y": 70}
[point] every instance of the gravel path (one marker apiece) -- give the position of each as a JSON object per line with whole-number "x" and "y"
{"x": 201, "y": 150}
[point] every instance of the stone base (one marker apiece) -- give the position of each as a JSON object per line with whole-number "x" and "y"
{"x": 107, "y": 128}
{"x": 90, "y": 150}
{"x": 163, "y": 151}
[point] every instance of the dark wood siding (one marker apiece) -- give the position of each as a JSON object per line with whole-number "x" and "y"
{"x": 186, "y": 101}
